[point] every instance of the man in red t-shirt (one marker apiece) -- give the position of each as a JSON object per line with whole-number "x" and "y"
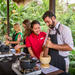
{"x": 35, "y": 41}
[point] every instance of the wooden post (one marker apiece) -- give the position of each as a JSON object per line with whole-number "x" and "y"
{"x": 52, "y": 5}
{"x": 8, "y": 17}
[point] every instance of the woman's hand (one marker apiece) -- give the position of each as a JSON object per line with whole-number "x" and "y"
{"x": 31, "y": 52}
{"x": 17, "y": 47}
{"x": 7, "y": 42}
{"x": 7, "y": 37}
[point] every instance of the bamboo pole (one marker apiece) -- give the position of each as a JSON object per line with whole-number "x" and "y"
{"x": 8, "y": 17}
{"x": 52, "y": 5}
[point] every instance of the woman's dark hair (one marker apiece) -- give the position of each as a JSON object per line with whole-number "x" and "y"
{"x": 34, "y": 22}
{"x": 28, "y": 28}
{"x": 27, "y": 22}
{"x": 48, "y": 14}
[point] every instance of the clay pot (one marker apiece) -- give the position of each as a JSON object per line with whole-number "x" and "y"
{"x": 45, "y": 61}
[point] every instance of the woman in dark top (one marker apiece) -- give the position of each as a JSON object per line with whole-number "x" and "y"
{"x": 16, "y": 38}
{"x": 26, "y": 24}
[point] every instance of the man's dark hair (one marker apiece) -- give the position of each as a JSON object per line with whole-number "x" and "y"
{"x": 48, "y": 14}
{"x": 34, "y": 22}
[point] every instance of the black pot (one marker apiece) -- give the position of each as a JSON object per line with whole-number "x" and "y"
{"x": 27, "y": 63}
{"x": 4, "y": 48}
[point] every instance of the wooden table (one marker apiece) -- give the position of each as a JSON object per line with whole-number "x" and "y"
{"x": 56, "y": 72}
{"x": 51, "y": 70}
{"x": 5, "y": 68}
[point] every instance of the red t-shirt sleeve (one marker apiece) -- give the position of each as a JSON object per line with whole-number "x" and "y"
{"x": 28, "y": 44}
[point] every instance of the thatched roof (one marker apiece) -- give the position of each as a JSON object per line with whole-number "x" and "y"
{"x": 22, "y": 1}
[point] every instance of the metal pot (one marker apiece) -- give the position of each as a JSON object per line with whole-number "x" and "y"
{"x": 27, "y": 63}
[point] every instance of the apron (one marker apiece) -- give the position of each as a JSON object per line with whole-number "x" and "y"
{"x": 13, "y": 45}
{"x": 13, "y": 38}
{"x": 25, "y": 50}
{"x": 56, "y": 59}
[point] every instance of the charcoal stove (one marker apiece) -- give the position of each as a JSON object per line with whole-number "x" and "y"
{"x": 17, "y": 69}
{"x": 26, "y": 66}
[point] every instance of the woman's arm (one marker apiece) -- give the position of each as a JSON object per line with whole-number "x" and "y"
{"x": 29, "y": 46}
{"x": 31, "y": 52}
{"x": 19, "y": 46}
{"x": 16, "y": 42}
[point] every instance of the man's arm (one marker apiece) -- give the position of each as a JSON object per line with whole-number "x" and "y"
{"x": 68, "y": 41}
{"x": 63, "y": 47}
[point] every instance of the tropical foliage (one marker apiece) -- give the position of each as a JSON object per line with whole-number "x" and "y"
{"x": 35, "y": 11}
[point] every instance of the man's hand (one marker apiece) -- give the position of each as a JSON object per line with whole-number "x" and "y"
{"x": 63, "y": 47}
{"x": 49, "y": 44}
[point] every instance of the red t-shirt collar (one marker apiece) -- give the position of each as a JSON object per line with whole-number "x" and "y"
{"x": 34, "y": 35}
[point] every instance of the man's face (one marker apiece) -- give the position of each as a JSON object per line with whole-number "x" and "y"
{"x": 49, "y": 22}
